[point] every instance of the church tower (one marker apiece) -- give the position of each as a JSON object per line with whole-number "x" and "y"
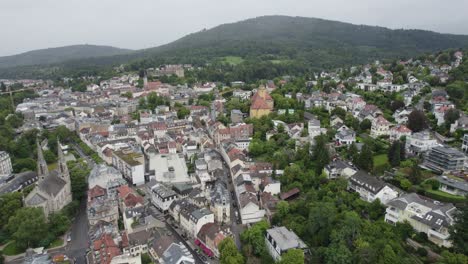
{"x": 62, "y": 164}
{"x": 42, "y": 169}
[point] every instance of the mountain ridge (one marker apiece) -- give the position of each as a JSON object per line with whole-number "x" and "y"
{"x": 316, "y": 42}
{"x": 59, "y": 54}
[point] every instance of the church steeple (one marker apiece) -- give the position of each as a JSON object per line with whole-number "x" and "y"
{"x": 62, "y": 163}
{"x": 42, "y": 169}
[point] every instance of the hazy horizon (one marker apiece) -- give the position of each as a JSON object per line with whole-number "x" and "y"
{"x": 142, "y": 24}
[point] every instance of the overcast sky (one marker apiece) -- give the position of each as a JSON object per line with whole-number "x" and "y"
{"x": 33, "y": 24}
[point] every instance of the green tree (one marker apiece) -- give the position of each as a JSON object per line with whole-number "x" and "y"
{"x": 394, "y": 153}
{"x": 282, "y": 209}
{"x": 452, "y": 258}
{"x": 365, "y": 125}
{"x": 320, "y": 153}
{"x": 451, "y": 116}
{"x": 338, "y": 253}
{"x": 229, "y": 252}
{"x": 146, "y": 259}
{"x": 10, "y": 203}
{"x": 292, "y": 256}
{"x": 28, "y": 227}
{"x": 255, "y": 237}
{"x": 365, "y": 160}
{"x": 389, "y": 256}
{"x": 183, "y": 112}
{"x": 49, "y": 156}
{"x": 417, "y": 121}
{"x": 459, "y": 230}
{"x": 58, "y": 224}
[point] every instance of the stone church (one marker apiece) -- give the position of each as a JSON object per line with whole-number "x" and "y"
{"x": 53, "y": 189}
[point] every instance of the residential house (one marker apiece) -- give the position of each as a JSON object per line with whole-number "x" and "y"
{"x": 424, "y": 215}
{"x": 420, "y": 142}
{"x": 209, "y": 237}
{"x": 5, "y": 163}
{"x": 280, "y": 239}
{"x": 345, "y": 137}
{"x": 399, "y": 131}
{"x": 453, "y": 185}
{"x": 370, "y": 188}
{"x": 162, "y": 197}
{"x": 340, "y": 168}
{"x": 380, "y": 127}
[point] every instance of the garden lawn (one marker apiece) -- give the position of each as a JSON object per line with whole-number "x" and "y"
{"x": 11, "y": 249}
{"x": 448, "y": 196}
{"x": 56, "y": 243}
{"x": 380, "y": 160}
{"x": 233, "y": 60}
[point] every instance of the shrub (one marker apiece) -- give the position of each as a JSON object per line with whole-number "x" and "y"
{"x": 422, "y": 252}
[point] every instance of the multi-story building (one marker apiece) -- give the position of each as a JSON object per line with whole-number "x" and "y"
{"x": 465, "y": 143}
{"x": 420, "y": 142}
{"x": 131, "y": 164}
{"x": 162, "y": 197}
{"x": 380, "y": 127}
{"x": 339, "y": 168}
{"x": 370, "y": 188}
{"x": 5, "y": 163}
{"x": 444, "y": 159}
{"x": 424, "y": 215}
{"x": 220, "y": 203}
{"x": 280, "y": 239}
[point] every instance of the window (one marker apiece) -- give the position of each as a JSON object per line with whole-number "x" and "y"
{"x": 429, "y": 217}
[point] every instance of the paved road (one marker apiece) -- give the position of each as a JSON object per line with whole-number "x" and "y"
{"x": 174, "y": 231}
{"x": 79, "y": 236}
{"x": 236, "y": 229}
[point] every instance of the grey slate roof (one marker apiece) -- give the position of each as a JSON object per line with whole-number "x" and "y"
{"x": 174, "y": 253}
{"x": 366, "y": 181}
{"x": 285, "y": 239}
{"x": 52, "y": 184}
{"x": 456, "y": 184}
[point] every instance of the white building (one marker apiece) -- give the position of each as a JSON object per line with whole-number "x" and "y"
{"x": 465, "y": 143}
{"x": 5, "y": 163}
{"x": 193, "y": 220}
{"x": 162, "y": 197}
{"x": 339, "y": 168}
{"x": 250, "y": 211}
{"x": 380, "y": 127}
{"x": 424, "y": 215}
{"x": 370, "y": 188}
{"x": 169, "y": 167}
{"x": 420, "y": 142}
{"x": 279, "y": 240}
{"x": 131, "y": 164}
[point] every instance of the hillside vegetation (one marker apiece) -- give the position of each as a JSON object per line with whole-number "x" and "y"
{"x": 57, "y": 55}
{"x": 314, "y": 43}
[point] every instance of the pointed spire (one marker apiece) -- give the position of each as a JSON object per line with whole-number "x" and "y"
{"x": 42, "y": 169}
{"x": 62, "y": 163}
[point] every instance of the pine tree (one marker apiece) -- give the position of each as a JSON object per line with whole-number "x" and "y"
{"x": 394, "y": 153}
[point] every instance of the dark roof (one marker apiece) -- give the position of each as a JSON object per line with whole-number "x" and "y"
{"x": 290, "y": 194}
{"x": 52, "y": 183}
{"x": 19, "y": 181}
{"x": 367, "y": 181}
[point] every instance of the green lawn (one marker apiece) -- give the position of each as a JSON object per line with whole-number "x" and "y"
{"x": 52, "y": 166}
{"x": 448, "y": 196}
{"x": 381, "y": 159}
{"x": 56, "y": 243}
{"x": 11, "y": 249}
{"x": 233, "y": 60}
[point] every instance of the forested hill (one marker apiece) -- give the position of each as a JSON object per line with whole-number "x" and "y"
{"x": 312, "y": 42}
{"x": 57, "y": 55}
{"x": 319, "y": 41}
